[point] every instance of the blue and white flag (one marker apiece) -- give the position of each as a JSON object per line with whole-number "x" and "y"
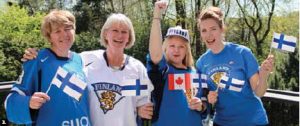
{"x": 199, "y": 80}
{"x": 195, "y": 80}
{"x": 69, "y": 83}
{"x": 231, "y": 84}
{"x": 204, "y": 81}
{"x": 135, "y": 87}
{"x": 284, "y": 42}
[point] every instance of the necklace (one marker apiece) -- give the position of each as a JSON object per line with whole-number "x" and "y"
{"x": 116, "y": 68}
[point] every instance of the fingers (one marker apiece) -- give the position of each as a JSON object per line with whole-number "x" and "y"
{"x": 212, "y": 97}
{"x": 29, "y": 54}
{"x": 38, "y": 99}
{"x": 267, "y": 64}
{"x": 161, "y": 4}
{"x": 146, "y": 111}
{"x": 160, "y": 7}
{"x": 195, "y": 104}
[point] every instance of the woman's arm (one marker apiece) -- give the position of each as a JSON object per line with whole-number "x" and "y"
{"x": 155, "y": 45}
{"x": 259, "y": 80}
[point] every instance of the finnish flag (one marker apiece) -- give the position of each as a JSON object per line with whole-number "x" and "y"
{"x": 195, "y": 80}
{"x": 204, "y": 81}
{"x": 69, "y": 83}
{"x": 135, "y": 87}
{"x": 199, "y": 80}
{"x": 284, "y": 42}
{"x": 231, "y": 83}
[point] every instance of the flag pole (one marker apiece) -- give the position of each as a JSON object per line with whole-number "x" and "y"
{"x": 48, "y": 88}
{"x": 271, "y": 45}
{"x": 270, "y": 52}
{"x": 270, "y": 49}
{"x": 217, "y": 88}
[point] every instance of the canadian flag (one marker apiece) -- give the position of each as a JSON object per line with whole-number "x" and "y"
{"x": 179, "y": 81}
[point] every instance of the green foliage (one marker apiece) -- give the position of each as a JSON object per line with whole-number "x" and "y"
{"x": 17, "y": 32}
{"x": 86, "y": 41}
{"x": 90, "y": 15}
{"x": 285, "y": 76}
{"x": 140, "y": 48}
{"x": 286, "y": 71}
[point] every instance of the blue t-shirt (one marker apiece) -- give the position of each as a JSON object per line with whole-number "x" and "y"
{"x": 62, "y": 109}
{"x": 174, "y": 110}
{"x": 240, "y": 107}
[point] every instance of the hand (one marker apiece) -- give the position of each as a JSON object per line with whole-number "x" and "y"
{"x": 212, "y": 97}
{"x": 146, "y": 111}
{"x": 196, "y": 104}
{"x": 38, "y": 99}
{"x": 29, "y": 54}
{"x": 160, "y": 7}
{"x": 267, "y": 65}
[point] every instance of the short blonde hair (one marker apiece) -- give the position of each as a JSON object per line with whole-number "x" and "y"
{"x": 188, "y": 59}
{"x": 117, "y": 18}
{"x": 56, "y": 18}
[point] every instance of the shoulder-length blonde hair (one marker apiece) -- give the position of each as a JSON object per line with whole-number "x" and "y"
{"x": 188, "y": 59}
{"x": 56, "y": 18}
{"x": 117, "y": 18}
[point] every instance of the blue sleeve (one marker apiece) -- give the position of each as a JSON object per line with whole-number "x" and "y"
{"x": 251, "y": 65}
{"x": 17, "y": 102}
{"x": 162, "y": 63}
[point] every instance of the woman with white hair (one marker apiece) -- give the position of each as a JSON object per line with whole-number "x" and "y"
{"x": 108, "y": 70}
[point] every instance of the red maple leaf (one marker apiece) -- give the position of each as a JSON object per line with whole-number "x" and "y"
{"x": 179, "y": 81}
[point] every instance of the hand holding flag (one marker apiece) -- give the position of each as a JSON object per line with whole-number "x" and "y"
{"x": 195, "y": 104}
{"x": 38, "y": 99}
{"x": 267, "y": 66}
{"x": 212, "y": 97}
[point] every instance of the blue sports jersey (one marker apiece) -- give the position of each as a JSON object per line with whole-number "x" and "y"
{"x": 61, "y": 109}
{"x": 237, "y": 105}
{"x": 174, "y": 110}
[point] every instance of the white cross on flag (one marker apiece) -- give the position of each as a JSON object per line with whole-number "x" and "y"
{"x": 69, "y": 83}
{"x": 179, "y": 81}
{"x": 231, "y": 83}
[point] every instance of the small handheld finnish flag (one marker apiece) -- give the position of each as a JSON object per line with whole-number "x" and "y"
{"x": 135, "y": 87}
{"x": 231, "y": 83}
{"x": 204, "y": 81}
{"x": 198, "y": 80}
{"x": 69, "y": 83}
{"x": 195, "y": 80}
{"x": 284, "y": 42}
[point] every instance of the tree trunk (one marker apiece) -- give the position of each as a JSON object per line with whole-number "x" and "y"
{"x": 255, "y": 23}
{"x": 196, "y": 31}
{"x": 181, "y": 15}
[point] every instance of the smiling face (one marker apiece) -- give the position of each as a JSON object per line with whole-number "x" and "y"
{"x": 117, "y": 31}
{"x": 211, "y": 33}
{"x": 117, "y": 36}
{"x": 176, "y": 50}
{"x": 62, "y": 38}
{"x": 58, "y": 27}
